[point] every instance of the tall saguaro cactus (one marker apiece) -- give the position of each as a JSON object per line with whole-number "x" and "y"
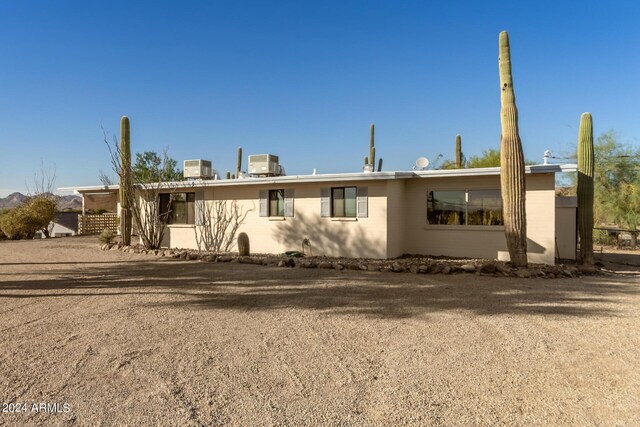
{"x": 511, "y": 162}
{"x": 372, "y": 148}
{"x": 585, "y": 188}
{"x": 126, "y": 181}
{"x": 458, "y": 152}
{"x": 239, "y": 165}
{"x": 370, "y": 161}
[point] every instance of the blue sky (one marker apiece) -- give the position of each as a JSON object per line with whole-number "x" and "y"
{"x": 304, "y": 80}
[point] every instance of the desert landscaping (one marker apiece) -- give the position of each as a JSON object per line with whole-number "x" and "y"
{"x": 116, "y": 338}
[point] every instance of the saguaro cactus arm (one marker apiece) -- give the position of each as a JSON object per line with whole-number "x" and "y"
{"x": 372, "y": 148}
{"x": 511, "y": 162}
{"x": 239, "y": 165}
{"x": 585, "y": 188}
{"x": 458, "y": 152}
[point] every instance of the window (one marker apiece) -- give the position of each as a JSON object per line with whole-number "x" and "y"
{"x": 179, "y": 207}
{"x": 446, "y": 207}
{"x": 343, "y": 202}
{"x": 484, "y": 207}
{"x": 276, "y": 202}
{"x": 464, "y": 207}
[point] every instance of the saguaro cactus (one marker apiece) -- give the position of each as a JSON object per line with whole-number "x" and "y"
{"x": 126, "y": 186}
{"x": 585, "y": 188}
{"x": 372, "y": 148}
{"x": 239, "y": 166}
{"x": 511, "y": 162}
{"x": 458, "y": 152}
{"x": 380, "y": 165}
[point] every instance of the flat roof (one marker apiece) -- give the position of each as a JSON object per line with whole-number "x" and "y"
{"x": 332, "y": 177}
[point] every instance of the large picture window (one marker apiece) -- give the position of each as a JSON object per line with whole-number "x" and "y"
{"x": 344, "y": 202}
{"x": 180, "y": 208}
{"x": 446, "y": 207}
{"x": 484, "y": 207}
{"x": 464, "y": 207}
{"x": 276, "y": 202}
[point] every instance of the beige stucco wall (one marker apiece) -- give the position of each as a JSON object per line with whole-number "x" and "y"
{"x": 566, "y": 226}
{"x": 479, "y": 241}
{"x": 396, "y": 221}
{"x": 359, "y": 237}
{"x": 396, "y": 217}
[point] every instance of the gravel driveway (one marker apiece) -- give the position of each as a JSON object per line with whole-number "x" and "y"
{"x": 106, "y": 338}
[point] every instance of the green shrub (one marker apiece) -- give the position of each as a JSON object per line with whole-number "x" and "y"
{"x": 107, "y": 236}
{"x": 24, "y": 221}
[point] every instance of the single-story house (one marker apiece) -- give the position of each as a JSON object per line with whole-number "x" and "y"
{"x": 63, "y": 224}
{"x": 377, "y": 214}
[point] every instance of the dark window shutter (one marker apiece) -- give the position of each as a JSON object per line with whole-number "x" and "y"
{"x": 363, "y": 202}
{"x": 264, "y": 203}
{"x": 199, "y": 208}
{"x": 288, "y": 202}
{"x": 325, "y": 202}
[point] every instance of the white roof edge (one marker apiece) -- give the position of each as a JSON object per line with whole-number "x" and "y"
{"x": 358, "y": 176}
{"x": 91, "y": 188}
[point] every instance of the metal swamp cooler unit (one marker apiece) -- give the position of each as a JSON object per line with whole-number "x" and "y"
{"x": 264, "y": 165}
{"x": 197, "y": 169}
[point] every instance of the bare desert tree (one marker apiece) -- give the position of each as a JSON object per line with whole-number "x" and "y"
{"x": 44, "y": 182}
{"x": 149, "y": 219}
{"x": 218, "y": 225}
{"x": 105, "y": 179}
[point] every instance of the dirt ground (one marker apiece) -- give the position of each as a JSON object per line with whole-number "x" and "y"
{"x": 123, "y": 339}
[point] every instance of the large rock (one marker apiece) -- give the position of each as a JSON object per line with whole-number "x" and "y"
{"x": 435, "y": 268}
{"x": 523, "y": 273}
{"x": 488, "y": 268}
{"x": 396, "y": 267}
{"x": 373, "y": 267}
{"x": 587, "y": 269}
{"x": 469, "y": 268}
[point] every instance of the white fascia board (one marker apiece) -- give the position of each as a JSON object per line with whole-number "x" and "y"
{"x": 293, "y": 179}
{"x": 334, "y": 177}
{"x": 97, "y": 189}
{"x": 533, "y": 169}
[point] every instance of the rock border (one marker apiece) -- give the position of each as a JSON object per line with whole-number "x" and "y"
{"x": 405, "y": 264}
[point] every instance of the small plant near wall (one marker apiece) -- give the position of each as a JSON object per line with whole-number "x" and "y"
{"x": 243, "y": 244}
{"x": 107, "y": 236}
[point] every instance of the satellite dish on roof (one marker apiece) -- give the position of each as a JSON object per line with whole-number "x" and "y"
{"x": 421, "y": 163}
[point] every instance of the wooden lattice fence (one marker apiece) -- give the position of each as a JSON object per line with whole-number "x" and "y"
{"x": 95, "y": 224}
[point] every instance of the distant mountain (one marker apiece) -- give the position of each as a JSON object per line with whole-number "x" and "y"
{"x": 12, "y": 200}
{"x": 69, "y": 202}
